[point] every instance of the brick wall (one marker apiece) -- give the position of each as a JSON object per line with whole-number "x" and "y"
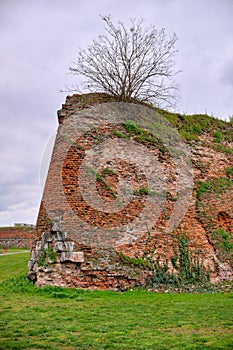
{"x": 16, "y": 237}
{"x": 101, "y": 225}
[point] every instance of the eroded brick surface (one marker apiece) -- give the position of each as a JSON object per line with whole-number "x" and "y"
{"x": 83, "y": 200}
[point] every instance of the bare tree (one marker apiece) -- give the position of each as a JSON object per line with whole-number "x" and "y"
{"x": 130, "y": 63}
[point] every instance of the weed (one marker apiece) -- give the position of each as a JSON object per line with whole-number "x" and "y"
{"x": 120, "y": 134}
{"x": 229, "y": 171}
{"x": 108, "y": 170}
{"x": 196, "y": 129}
{"x": 221, "y": 148}
{"x": 142, "y": 135}
{"x": 145, "y": 139}
{"x": 21, "y": 284}
{"x": 135, "y": 261}
{"x": 132, "y": 127}
{"x": 191, "y": 126}
{"x": 99, "y": 178}
{"x": 41, "y": 261}
{"x": 188, "y": 269}
{"x": 47, "y": 256}
{"x": 217, "y": 186}
{"x": 108, "y": 188}
{"x": 91, "y": 171}
{"x": 225, "y": 240}
{"x": 203, "y": 187}
{"x": 218, "y": 136}
{"x": 144, "y": 191}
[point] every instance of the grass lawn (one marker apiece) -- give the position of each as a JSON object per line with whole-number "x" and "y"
{"x": 59, "y": 318}
{"x": 14, "y": 249}
{"x": 13, "y": 265}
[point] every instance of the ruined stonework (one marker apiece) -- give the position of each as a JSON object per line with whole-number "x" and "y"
{"x": 115, "y": 194}
{"x": 21, "y": 237}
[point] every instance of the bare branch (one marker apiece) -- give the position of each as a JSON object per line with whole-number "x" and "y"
{"x": 130, "y": 63}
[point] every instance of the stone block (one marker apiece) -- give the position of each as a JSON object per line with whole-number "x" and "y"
{"x": 69, "y": 246}
{"x": 47, "y": 237}
{"x": 60, "y": 247}
{"x": 77, "y": 257}
{"x": 30, "y": 264}
{"x": 60, "y": 236}
{"x": 38, "y": 246}
{"x": 64, "y": 246}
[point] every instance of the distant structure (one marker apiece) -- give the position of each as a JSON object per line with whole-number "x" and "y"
{"x": 117, "y": 194}
{"x": 17, "y": 236}
{"x": 21, "y": 224}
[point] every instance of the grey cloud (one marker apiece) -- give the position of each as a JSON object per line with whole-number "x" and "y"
{"x": 227, "y": 73}
{"x": 39, "y": 41}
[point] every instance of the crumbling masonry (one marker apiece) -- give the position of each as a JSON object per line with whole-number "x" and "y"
{"x": 102, "y": 209}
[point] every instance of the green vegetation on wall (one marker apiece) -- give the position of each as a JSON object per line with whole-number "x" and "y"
{"x": 217, "y": 185}
{"x": 225, "y": 239}
{"x": 187, "y": 272}
{"x": 47, "y": 256}
{"x": 100, "y": 178}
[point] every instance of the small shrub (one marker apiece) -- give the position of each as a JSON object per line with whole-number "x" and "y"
{"x": 196, "y": 129}
{"x": 229, "y": 171}
{"x": 218, "y": 136}
{"x": 42, "y": 259}
{"x": 142, "y": 191}
{"x": 188, "y": 270}
{"x": 132, "y": 127}
{"x": 225, "y": 239}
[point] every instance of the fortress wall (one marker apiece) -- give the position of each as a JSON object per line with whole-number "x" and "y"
{"x": 81, "y": 217}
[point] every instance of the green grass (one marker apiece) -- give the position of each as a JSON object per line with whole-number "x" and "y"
{"x": 221, "y": 148}
{"x": 58, "y": 318}
{"x": 192, "y": 126}
{"x": 142, "y": 136}
{"x": 13, "y": 265}
{"x": 13, "y": 249}
{"x": 120, "y": 134}
{"x": 218, "y": 136}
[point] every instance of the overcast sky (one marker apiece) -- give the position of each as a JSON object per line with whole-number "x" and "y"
{"x": 39, "y": 41}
